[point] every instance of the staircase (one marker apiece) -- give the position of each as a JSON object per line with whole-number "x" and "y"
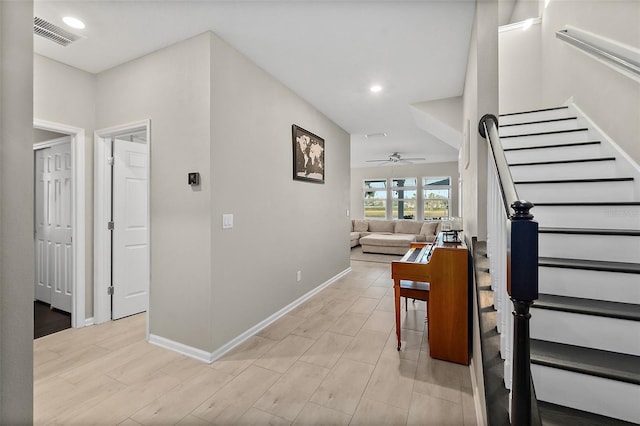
{"x": 585, "y": 326}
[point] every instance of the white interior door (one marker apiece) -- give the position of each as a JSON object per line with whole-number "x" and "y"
{"x": 53, "y": 205}
{"x": 130, "y": 264}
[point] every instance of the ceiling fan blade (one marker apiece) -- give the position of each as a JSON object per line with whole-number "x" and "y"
{"x": 376, "y": 161}
{"x": 414, "y": 158}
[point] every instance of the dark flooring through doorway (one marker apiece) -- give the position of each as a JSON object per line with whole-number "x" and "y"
{"x": 48, "y": 320}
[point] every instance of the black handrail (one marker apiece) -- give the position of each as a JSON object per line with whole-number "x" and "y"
{"x": 522, "y": 274}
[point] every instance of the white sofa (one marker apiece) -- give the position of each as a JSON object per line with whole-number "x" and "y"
{"x": 391, "y": 236}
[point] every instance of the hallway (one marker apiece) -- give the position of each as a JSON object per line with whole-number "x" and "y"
{"x": 332, "y": 360}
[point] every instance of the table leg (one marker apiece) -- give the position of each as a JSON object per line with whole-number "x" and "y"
{"x": 396, "y": 291}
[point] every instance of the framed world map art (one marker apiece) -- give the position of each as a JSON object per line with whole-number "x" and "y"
{"x": 308, "y": 155}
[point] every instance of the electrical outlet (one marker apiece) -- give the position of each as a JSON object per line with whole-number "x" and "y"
{"x": 299, "y": 276}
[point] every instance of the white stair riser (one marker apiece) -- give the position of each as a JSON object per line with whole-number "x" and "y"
{"x": 598, "y": 395}
{"x": 591, "y": 247}
{"x": 606, "y": 217}
{"x": 602, "y": 285}
{"x": 582, "y": 170}
{"x": 552, "y": 138}
{"x": 575, "y": 192}
{"x": 586, "y": 330}
{"x": 554, "y": 154}
{"x": 535, "y": 116}
{"x": 546, "y": 126}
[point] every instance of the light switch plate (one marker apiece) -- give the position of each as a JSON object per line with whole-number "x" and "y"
{"x": 227, "y": 221}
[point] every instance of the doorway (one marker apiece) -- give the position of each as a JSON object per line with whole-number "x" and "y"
{"x": 121, "y": 226}
{"x": 59, "y": 226}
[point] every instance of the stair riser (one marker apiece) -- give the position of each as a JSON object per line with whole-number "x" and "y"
{"x": 554, "y": 154}
{"x": 549, "y": 126}
{"x": 537, "y": 140}
{"x": 576, "y": 192}
{"x": 535, "y": 116}
{"x": 591, "y": 247}
{"x": 583, "y": 170}
{"x": 609, "y": 286}
{"x": 586, "y": 330}
{"x": 606, "y": 217}
{"x": 588, "y": 393}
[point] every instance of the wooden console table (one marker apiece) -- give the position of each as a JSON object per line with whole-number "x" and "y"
{"x": 445, "y": 267}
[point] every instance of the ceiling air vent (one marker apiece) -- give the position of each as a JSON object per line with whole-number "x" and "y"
{"x": 53, "y": 32}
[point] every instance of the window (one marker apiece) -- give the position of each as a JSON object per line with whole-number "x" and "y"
{"x": 404, "y": 196}
{"x": 375, "y": 199}
{"x": 436, "y": 197}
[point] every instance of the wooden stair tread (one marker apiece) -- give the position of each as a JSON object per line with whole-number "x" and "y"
{"x": 590, "y": 203}
{"x": 590, "y": 231}
{"x": 592, "y": 180}
{"x": 534, "y": 110}
{"x": 550, "y": 132}
{"x": 559, "y": 145}
{"x": 550, "y": 120}
{"x": 592, "y": 265}
{"x": 558, "y": 415}
{"x": 626, "y": 311}
{"x": 580, "y": 160}
{"x": 594, "y": 362}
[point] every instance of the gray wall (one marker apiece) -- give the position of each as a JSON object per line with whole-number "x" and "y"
{"x": 172, "y": 88}
{"x": 16, "y": 213}
{"x": 215, "y": 112}
{"x": 66, "y": 95}
{"x": 410, "y": 170}
{"x": 290, "y": 225}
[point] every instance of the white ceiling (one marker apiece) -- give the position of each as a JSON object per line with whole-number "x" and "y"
{"x": 328, "y": 52}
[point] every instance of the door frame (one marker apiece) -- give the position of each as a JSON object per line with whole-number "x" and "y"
{"x": 78, "y": 209}
{"x": 102, "y": 209}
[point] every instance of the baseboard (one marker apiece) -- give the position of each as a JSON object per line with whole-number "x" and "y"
{"x": 209, "y": 357}
{"x": 477, "y": 397}
{"x": 88, "y": 322}
{"x": 181, "y": 348}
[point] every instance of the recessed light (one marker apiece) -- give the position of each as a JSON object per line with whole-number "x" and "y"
{"x": 376, "y": 88}
{"x": 73, "y": 22}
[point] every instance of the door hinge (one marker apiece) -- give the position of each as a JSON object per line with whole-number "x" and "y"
{"x": 110, "y": 290}
{"x": 110, "y": 226}
{"x": 110, "y": 161}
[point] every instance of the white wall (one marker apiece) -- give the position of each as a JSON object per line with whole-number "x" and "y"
{"x": 520, "y": 73}
{"x": 172, "y": 88}
{"x": 358, "y": 175}
{"x": 286, "y": 225}
{"x": 16, "y": 213}
{"x": 66, "y": 95}
{"x": 537, "y": 70}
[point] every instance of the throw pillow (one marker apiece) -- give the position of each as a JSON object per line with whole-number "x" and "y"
{"x": 429, "y": 228}
{"x": 360, "y": 225}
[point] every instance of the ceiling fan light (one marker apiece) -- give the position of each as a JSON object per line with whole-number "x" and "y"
{"x": 376, "y": 88}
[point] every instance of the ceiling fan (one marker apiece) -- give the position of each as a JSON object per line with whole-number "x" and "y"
{"x": 396, "y": 158}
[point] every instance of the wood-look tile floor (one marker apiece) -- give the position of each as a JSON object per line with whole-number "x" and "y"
{"x": 331, "y": 361}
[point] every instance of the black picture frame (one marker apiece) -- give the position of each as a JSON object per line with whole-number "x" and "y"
{"x": 308, "y": 155}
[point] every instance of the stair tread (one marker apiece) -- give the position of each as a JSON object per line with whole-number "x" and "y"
{"x": 591, "y": 180}
{"x": 595, "y": 362}
{"x": 590, "y": 231}
{"x": 534, "y": 110}
{"x": 627, "y": 311}
{"x": 550, "y": 132}
{"x": 579, "y": 160}
{"x": 559, "y": 145}
{"x": 550, "y": 120}
{"x": 558, "y": 415}
{"x": 589, "y": 203}
{"x": 593, "y": 265}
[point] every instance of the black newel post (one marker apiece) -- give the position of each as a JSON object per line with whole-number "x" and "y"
{"x": 522, "y": 287}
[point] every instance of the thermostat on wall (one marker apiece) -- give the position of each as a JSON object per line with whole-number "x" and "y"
{"x": 194, "y": 178}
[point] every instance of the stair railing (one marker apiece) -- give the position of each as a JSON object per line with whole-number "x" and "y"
{"x": 512, "y": 247}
